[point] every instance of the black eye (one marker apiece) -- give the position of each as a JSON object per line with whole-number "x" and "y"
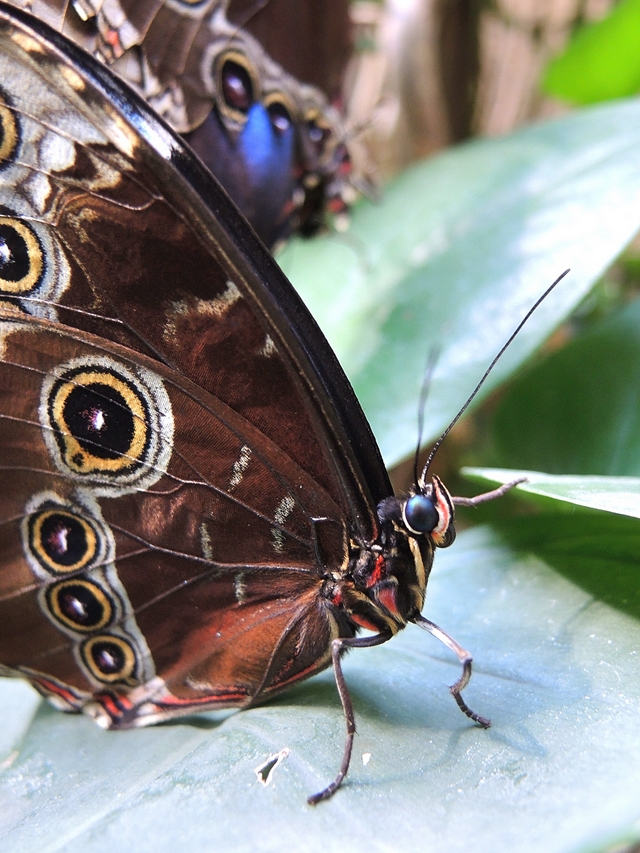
{"x": 420, "y": 514}
{"x": 237, "y": 88}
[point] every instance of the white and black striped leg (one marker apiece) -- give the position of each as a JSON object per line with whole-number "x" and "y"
{"x": 347, "y": 706}
{"x": 488, "y": 496}
{"x": 465, "y": 659}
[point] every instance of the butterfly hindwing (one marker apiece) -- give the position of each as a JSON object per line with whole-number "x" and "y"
{"x": 275, "y": 143}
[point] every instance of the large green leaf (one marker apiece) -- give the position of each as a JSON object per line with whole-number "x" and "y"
{"x": 578, "y": 412}
{"x": 559, "y": 771}
{"x": 459, "y": 249}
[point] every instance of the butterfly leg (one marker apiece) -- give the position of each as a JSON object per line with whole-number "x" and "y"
{"x": 337, "y": 647}
{"x": 465, "y": 659}
{"x": 488, "y": 496}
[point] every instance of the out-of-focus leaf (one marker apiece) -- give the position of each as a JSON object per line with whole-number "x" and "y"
{"x": 602, "y": 61}
{"x": 578, "y": 411}
{"x": 460, "y": 247}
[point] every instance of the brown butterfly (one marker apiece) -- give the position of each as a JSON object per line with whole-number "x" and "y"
{"x": 195, "y": 512}
{"x": 276, "y": 144}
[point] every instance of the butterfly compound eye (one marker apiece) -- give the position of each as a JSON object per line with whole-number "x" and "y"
{"x": 420, "y": 514}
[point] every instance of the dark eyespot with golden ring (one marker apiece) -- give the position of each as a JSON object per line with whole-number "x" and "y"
{"x": 100, "y": 422}
{"x": 21, "y": 257}
{"x": 109, "y": 659}
{"x": 61, "y": 541}
{"x": 238, "y": 85}
{"x": 281, "y": 112}
{"x": 79, "y": 604}
{"x": 9, "y": 132}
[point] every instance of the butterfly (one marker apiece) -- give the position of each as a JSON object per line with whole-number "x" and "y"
{"x": 195, "y": 512}
{"x": 276, "y": 144}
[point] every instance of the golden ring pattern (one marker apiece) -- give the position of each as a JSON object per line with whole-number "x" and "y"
{"x": 61, "y": 541}
{"x": 109, "y": 658}
{"x": 21, "y": 257}
{"x": 80, "y": 605}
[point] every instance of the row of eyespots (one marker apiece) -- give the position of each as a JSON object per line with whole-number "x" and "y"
{"x": 237, "y": 88}
{"x": 83, "y": 606}
{"x": 34, "y": 271}
{"x": 21, "y": 252}
{"x": 109, "y": 429}
{"x": 71, "y": 548}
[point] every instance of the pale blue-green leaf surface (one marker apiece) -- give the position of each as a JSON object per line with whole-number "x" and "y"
{"x": 555, "y": 668}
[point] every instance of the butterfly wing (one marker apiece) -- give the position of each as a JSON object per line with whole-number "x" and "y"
{"x": 271, "y": 140}
{"x": 184, "y": 456}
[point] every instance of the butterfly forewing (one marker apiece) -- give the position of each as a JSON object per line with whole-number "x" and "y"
{"x": 182, "y": 457}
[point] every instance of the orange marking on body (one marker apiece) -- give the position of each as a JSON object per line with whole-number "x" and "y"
{"x": 377, "y": 573}
{"x": 336, "y": 598}
{"x": 363, "y": 623}
{"x": 112, "y": 38}
{"x": 387, "y": 597}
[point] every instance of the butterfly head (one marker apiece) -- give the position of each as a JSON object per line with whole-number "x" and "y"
{"x": 428, "y": 511}
{"x": 388, "y": 578}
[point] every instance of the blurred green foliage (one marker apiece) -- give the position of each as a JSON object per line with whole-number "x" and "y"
{"x": 602, "y": 60}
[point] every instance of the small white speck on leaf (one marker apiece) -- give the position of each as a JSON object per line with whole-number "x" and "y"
{"x": 265, "y": 771}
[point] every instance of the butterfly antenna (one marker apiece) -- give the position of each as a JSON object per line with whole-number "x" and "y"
{"x": 432, "y": 360}
{"x": 425, "y": 470}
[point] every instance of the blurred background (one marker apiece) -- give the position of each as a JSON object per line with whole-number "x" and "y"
{"x": 428, "y": 74}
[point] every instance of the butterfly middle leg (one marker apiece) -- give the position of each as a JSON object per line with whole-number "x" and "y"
{"x": 338, "y": 646}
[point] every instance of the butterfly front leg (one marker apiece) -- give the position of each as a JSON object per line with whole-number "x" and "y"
{"x": 337, "y": 648}
{"x": 485, "y": 497}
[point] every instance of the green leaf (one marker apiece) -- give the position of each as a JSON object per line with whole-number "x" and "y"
{"x": 611, "y": 494}
{"x": 459, "y": 249}
{"x": 577, "y": 411}
{"x": 559, "y": 771}
{"x": 596, "y": 547}
{"x": 602, "y": 60}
